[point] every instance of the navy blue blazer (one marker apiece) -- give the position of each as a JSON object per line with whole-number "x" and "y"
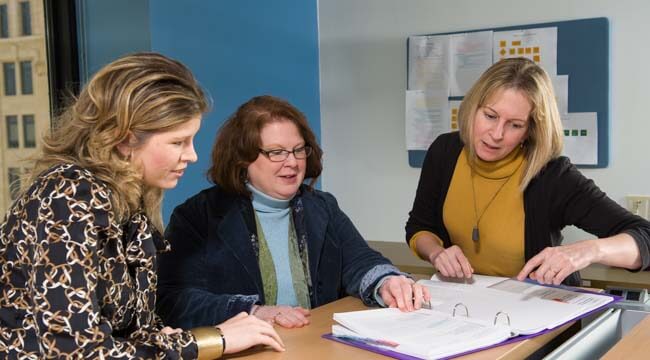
{"x": 212, "y": 272}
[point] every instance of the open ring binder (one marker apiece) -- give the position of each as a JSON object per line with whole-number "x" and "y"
{"x": 496, "y": 317}
{"x": 463, "y": 305}
{"x": 499, "y": 315}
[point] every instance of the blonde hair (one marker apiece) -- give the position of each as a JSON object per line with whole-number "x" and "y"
{"x": 137, "y": 95}
{"x": 544, "y": 142}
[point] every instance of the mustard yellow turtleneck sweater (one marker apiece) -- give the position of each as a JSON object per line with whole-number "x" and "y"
{"x": 499, "y": 205}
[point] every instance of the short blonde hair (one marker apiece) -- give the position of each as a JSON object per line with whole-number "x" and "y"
{"x": 139, "y": 94}
{"x": 544, "y": 142}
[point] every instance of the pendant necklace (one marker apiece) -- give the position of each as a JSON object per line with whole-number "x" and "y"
{"x": 475, "y": 233}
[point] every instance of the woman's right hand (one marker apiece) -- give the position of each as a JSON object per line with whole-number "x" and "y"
{"x": 244, "y": 331}
{"x": 285, "y": 316}
{"x": 451, "y": 262}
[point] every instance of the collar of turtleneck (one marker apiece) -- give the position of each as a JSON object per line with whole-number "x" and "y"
{"x": 499, "y": 169}
{"x": 265, "y": 203}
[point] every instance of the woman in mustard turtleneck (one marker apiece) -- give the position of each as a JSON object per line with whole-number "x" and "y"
{"x": 493, "y": 197}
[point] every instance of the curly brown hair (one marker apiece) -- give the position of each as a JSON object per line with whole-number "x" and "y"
{"x": 238, "y": 142}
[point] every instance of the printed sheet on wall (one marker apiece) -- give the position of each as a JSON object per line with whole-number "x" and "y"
{"x": 442, "y": 68}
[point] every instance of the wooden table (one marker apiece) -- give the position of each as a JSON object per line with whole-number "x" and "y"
{"x": 634, "y": 345}
{"x": 307, "y": 343}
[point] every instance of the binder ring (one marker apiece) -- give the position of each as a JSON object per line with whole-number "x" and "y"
{"x": 463, "y": 305}
{"x": 496, "y": 317}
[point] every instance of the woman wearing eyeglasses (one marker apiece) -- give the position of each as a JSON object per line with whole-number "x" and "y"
{"x": 261, "y": 241}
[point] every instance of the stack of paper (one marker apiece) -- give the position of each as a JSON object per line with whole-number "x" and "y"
{"x": 425, "y": 334}
{"x": 467, "y": 315}
{"x": 530, "y": 308}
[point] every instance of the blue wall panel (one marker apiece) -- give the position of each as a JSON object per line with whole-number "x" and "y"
{"x": 108, "y": 30}
{"x": 239, "y": 49}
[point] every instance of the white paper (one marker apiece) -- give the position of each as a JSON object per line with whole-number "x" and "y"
{"x": 476, "y": 280}
{"x": 539, "y": 45}
{"x": 581, "y": 137}
{"x": 584, "y": 300}
{"x": 471, "y": 55}
{"x": 561, "y": 89}
{"x": 531, "y": 308}
{"x": 429, "y": 63}
{"x": 423, "y": 333}
{"x": 426, "y": 118}
{"x": 526, "y": 316}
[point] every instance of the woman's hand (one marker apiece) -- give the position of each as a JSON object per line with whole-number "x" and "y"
{"x": 451, "y": 262}
{"x": 403, "y": 293}
{"x": 285, "y": 316}
{"x": 554, "y": 264}
{"x": 243, "y": 331}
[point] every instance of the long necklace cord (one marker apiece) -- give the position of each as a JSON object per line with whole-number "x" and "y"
{"x": 475, "y": 233}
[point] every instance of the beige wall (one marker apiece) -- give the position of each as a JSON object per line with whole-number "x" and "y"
{"x": 363, "y": 80}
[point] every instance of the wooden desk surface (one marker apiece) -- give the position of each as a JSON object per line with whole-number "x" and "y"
{"x": 634, "y": 345}
{"x": 306, "y": 343}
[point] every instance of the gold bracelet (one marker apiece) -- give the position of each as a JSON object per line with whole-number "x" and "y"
{"x": 209, "y": 341}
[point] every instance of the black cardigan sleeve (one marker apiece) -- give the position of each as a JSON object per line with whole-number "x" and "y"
{"x": 579, "y": 202}
{"x": 437, "y": 170}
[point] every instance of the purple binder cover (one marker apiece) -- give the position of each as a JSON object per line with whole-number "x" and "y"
{"x": 396, "y": 355}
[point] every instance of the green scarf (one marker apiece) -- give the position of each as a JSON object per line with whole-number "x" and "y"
{"x": 267, "y": 268}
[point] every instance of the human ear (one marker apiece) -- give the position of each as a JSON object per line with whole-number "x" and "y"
{"x": 125, "y": 148}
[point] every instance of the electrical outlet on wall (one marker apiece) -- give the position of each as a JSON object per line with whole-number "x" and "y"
{"x": 639, "y": 205}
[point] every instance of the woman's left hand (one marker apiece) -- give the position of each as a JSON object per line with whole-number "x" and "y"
{"x": 403, "y": 293}
{"x": 554, "y": 264}
{"x": 285, "y": 316}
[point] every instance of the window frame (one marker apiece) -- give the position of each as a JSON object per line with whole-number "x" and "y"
{"x": 13, "y": 182}
{"x": 29, "y": 143}
{"x": 25, "y": 25}
{"x": 62, "y": 53}
{"x": 9, "y": 77}
{"x": 26, "y": 80}
{"x": 4, "y": 21}
{"x": 11, "y": 123}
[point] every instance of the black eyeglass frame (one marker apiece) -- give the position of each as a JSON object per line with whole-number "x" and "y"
{"x": 285, "y": 153}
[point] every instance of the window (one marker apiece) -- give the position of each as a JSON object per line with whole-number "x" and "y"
{"x": 9, "y": 70}
{"x": 25, "y": 63}
{"x": 29, "y": 131}
{"x": 26, "y": 77}
{"x": 14, "y": 182}
{"x": 4, "y": 21}
{"x": 26, "y": 18}
{"x": 12, "y": 131}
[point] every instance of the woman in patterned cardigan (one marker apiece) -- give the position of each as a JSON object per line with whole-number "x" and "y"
{"x": 78, "y": 247}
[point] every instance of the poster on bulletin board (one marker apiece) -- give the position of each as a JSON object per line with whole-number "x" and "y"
{"x": 575, "y": 54}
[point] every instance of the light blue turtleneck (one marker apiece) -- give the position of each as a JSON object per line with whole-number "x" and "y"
{"x": 274, "y": 215}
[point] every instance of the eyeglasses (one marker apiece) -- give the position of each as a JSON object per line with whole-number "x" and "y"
{"x": 277, "y": 155}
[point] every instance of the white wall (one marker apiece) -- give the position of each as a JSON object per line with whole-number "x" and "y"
{"x": 363, "y": 79}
